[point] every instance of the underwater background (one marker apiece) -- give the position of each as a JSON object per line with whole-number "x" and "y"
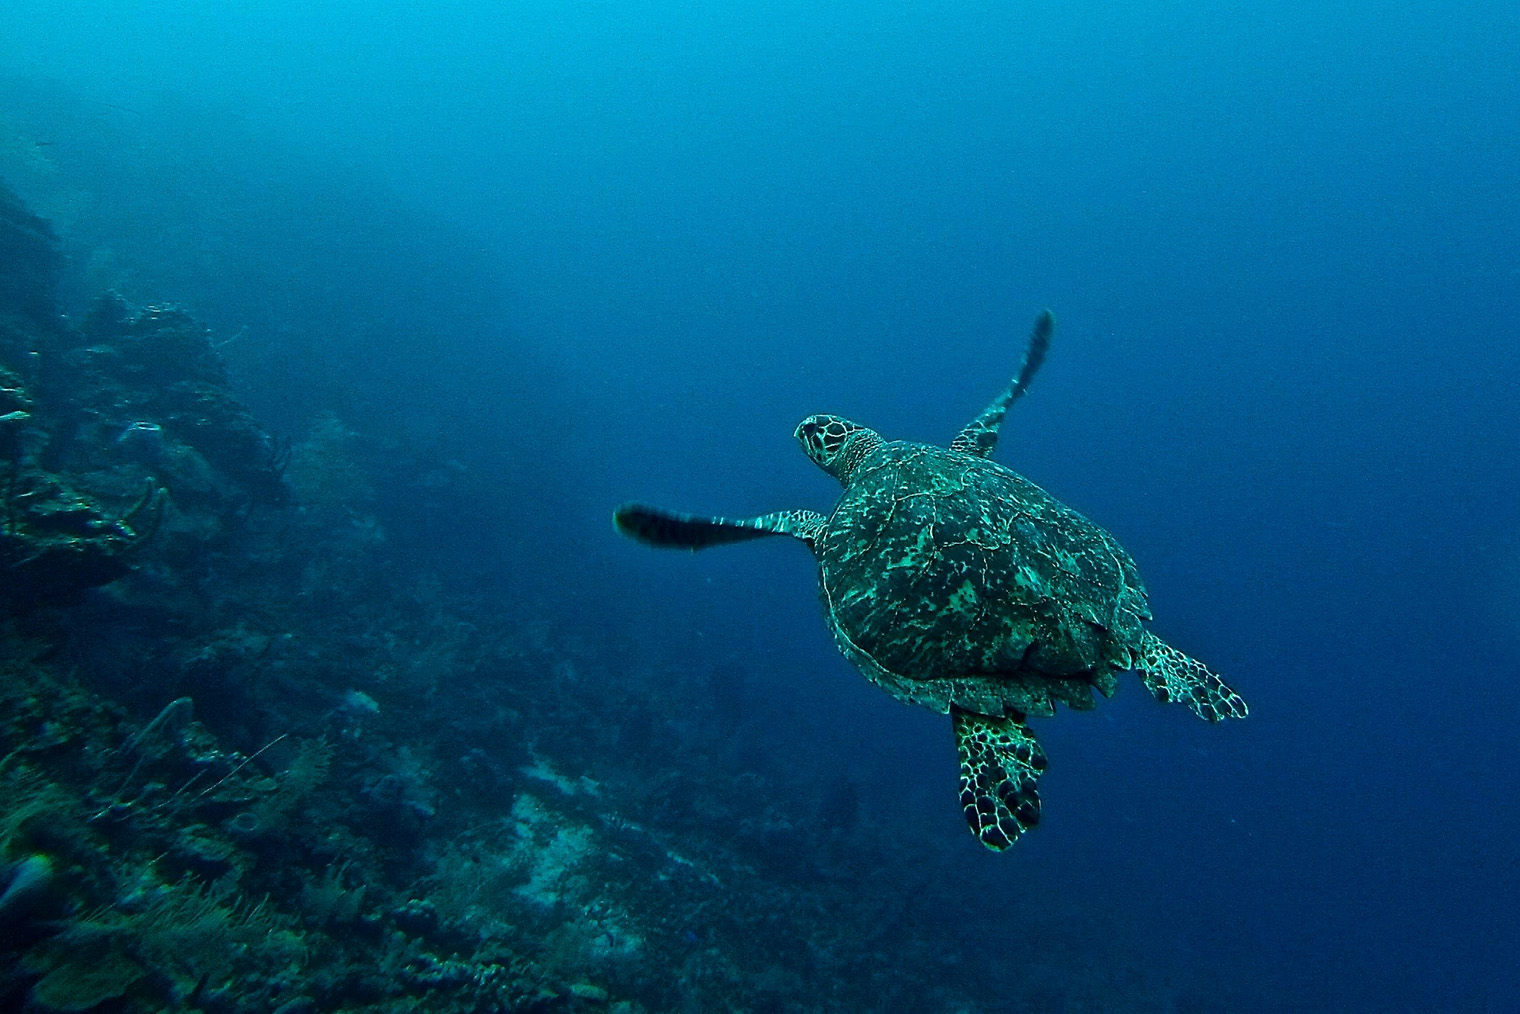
{"x": 331, "y": 336}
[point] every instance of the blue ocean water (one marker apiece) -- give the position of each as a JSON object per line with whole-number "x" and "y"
{"x": 585, "y": 254}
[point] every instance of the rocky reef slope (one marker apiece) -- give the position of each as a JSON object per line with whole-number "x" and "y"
{"x": 251, "y": 762}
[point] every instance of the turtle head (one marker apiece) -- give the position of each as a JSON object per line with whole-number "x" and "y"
{"x": 836, "y": 445}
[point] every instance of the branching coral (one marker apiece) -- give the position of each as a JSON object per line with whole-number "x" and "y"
{"x": 199, "y": 937}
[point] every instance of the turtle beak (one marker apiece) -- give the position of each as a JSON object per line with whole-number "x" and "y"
{"x": 808, "y": 434}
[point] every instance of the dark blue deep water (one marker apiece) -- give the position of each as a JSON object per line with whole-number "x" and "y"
{"x": 550, "y": 257}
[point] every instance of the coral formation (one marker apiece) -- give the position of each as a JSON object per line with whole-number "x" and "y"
{"x": 250, "y": 762}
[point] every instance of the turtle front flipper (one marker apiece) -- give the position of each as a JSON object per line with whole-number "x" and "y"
{"x": 980, "y": 436}
{"x": 1172, "y": 676}
{"x": 1000, "y": 762}
{"x": 690, "y": 531}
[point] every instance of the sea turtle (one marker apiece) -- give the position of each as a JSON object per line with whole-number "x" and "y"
{"x": 954, "y": 582}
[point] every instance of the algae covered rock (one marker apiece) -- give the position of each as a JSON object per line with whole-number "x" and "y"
{"x": 30, "y": 261}
{"x": 56, "y": 541}
{"x": 117, "y": 428}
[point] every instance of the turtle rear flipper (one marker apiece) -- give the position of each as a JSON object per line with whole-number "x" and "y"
{"x": 690, "y": 531}
{"x": 1172, "y": 676}
{"x": 1000, "y": 762}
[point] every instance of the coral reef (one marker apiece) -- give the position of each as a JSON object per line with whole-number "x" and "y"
{"x": 252, "y": 762}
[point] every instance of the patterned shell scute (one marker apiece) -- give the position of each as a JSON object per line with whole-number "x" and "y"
{"x": 950, "y": 579}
